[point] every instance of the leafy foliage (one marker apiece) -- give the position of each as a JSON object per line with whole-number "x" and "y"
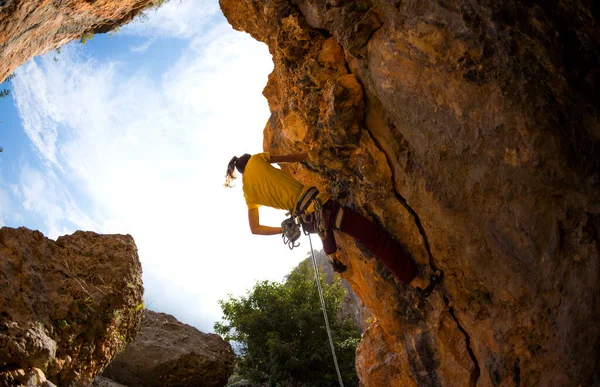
{"x": 5, "y": 93}
{"x": 281, "y": 334}
{"x": 143, "y": 16}
{"x": 85, "y": 37}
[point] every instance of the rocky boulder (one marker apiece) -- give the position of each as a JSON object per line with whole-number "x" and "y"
{"x": 33, "y": 27}
{"x": 101, "y": 381}
{"x": 167, "y": 352}
{"x": 470, "y": 131}
{"x": 66, "y": 307}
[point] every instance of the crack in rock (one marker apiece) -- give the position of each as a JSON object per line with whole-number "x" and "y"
{"x": 477, "y": 371}
{"x": 405, "y": 204}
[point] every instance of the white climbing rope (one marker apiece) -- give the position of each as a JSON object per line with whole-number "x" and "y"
{"x": 314, "y": 260}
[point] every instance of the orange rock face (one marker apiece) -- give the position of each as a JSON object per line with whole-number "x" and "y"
{"x": 471, "y": 132}
{"x": 33, "y": 27}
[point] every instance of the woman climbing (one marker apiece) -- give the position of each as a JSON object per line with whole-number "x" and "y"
{"x": 266, "y": 185}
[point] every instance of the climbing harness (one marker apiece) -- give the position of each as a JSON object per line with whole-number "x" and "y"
{"x": 291, "y": 226}
{"x": 305, "y": 200}
{"x": 314, "y": 261}
{"x": 318, "y": 220}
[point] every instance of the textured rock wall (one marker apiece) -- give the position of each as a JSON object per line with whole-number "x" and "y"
{"x": 167, "y": 352}
{"x": 100, "y": 381}
{"x": 66, "y": 307}
{"x": 470, "y": 131}
{"x": 33, "y": 27}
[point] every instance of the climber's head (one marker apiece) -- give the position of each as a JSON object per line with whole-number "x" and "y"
{"x": 238, "y": 163}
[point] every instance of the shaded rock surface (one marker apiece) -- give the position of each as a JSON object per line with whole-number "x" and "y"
{"x": 167, "y": 352}
{"x": 101, "y": 381}
{"x": 237, "y": 381}
{"x": 33, "y": 27}
{"x": 352, "y": 306}
{"x": 470, "y": 131}
{"x": 66, "y": 307}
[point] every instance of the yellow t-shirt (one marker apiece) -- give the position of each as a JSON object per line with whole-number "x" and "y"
{"x": 266, "y": 185}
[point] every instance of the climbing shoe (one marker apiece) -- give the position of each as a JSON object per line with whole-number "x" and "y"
{"x": 434, "y": 280}
{"x": 338, "y": 267}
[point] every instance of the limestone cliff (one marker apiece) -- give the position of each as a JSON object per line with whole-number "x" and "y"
{"x": 33, "y": 27}
{"x": 470, "y": 131}
{"x": 66, "y": 307}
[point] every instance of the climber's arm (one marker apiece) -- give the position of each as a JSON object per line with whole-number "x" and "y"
{"x": 257, "y": 228}
{"x": 290, "y": 158}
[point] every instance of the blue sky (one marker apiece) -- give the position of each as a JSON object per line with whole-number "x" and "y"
{"x": 131, "y": 134}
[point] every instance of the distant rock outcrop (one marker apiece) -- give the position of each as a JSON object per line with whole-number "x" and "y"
{"x": 167, "y": 352}
{"x": 470, "y": 131}
{"x": 66, "y": 307}
{"x": 33, "y": 27}
{"x": 352, "y": 306}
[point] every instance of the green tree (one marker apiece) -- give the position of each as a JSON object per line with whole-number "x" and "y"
{"x": 4, "y": 93}
{"x": 280, "y": 331}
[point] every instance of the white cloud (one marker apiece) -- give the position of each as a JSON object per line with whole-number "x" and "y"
{"x": 4, "y": 206}
{"x": 42, "y": 137}
{"x": 46, "y": 104}
{"x": 176, "y": 18}
{"x": 147, "y": 156}
{"x": 8, "y": 210}
{"x": 43, "y": 194}
{"x": 142, "y": 48}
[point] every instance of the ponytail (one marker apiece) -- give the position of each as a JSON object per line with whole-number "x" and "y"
{"x": 238, "y": 163}
{"x": 230, "y": 175}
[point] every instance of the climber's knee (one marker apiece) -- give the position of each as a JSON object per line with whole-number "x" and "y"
{"x": 329, "y": 245}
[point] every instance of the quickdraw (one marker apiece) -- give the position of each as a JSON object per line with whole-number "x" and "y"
{"x": 318, "y": 219}
{"x": 291, "y": 232}
{"x": 291, "y": 226}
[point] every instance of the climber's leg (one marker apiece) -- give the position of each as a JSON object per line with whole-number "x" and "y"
{"x": 308, "y": 227}
{"x": 329, "y": 244}
{"x": 330, "y": 247}
{"x": 328, "y": 239}
{"x": 375, "y": 239}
